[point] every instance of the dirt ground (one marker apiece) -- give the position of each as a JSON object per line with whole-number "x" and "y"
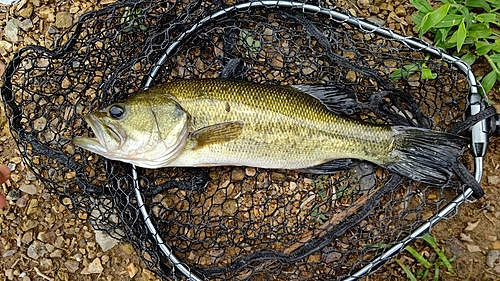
{"x": 41, "y": 240}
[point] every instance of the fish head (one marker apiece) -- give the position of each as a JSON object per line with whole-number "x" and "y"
{"x": 144, "y": 130}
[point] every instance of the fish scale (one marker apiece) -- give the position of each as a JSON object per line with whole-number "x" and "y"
{"x": 283, "y": 127}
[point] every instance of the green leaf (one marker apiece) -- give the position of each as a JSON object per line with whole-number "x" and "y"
{"x": 495, "y": 58}
{"x": 433, "y": 18}
{"x": 467, "y": 16}
{"x": 483, "y": 48}
{"x": 461, "y": 34}
{"x": 417, "y": 18}
{"x": 478, "y": 4}
{"x": 486, "y": 17}
{"x": 422, "y": 6}
{"x": 480, "y": 30}
{"x": 469, "y": 58}
{"x": 449, "y": 20}
{"x": 441, "y": 35}
{"x": 496, "y": 46}
{"x": 489, "y": 81}
{"x": 427, "y": 73}
{"x": 403, "y": 72}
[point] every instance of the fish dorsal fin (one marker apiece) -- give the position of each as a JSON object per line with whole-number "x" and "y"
{"x": 217, "y": 133}
{"x": 336, "y": 98}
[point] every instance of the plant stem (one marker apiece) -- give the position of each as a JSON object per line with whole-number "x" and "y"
{"x": 492, "y": 64}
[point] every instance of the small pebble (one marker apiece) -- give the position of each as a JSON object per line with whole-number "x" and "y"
{"x": 472, "y": 225}
{"x": 10, "y": 31}
{"x": 492, "y": 257}
{"x": 64, "y": 20}
{"x": 32, "y": 207}
{"x": 400, "y": 11}
{"x": 491, "y": 238}
{"x": 53, "y": 30}
{"x": 12, "y": 166}
{"x": 9, "y": 274}
{"x": 9, "y": 253}
{"x": 27, "y": 237}
{"x": 26, "y": 25}
{"x": 36, "y": 250}
{"x": 496, "y": 245}
{"x": 493, "y": 180}
{"x": 13, "y": 195}
{"x": 26, "y": 12}
{"x": 473, "y": 248}
{"x": 30, "y": 176}
{"x": 94, "y": 267}
{"x": 22, "y": 202}
{"x": 465, "y": 237}
{"x": 72, "y": 265}
{"x": 28, "y": 188}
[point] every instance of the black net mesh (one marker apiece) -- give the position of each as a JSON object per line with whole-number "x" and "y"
{"x": 238, "y": 223}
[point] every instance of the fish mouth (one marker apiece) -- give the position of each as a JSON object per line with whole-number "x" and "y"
{"x": 107, "y": 137}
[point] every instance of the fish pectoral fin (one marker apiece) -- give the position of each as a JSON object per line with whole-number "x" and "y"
{"x": 336, "y": 98}
{"x": 217, "y": 133}
{"x": 333, "y": 166}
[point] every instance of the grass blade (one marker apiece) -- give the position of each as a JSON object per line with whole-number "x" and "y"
{"x": 418, "y": 257}
{"x": 406, "y": 270}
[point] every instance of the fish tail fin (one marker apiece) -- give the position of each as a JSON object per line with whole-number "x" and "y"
{"x": 424, "y": 155}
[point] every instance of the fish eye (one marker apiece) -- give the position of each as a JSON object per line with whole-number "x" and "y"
{"x": 116, "y": 111}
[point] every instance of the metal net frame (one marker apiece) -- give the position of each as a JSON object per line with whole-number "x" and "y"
{"x": 240, "y": 223}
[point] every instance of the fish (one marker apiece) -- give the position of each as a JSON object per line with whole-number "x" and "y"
{"x": 222, "y": 122}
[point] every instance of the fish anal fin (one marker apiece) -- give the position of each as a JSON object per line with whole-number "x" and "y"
{"x": 217, "y": 133}
{"x": 333, "y": 166}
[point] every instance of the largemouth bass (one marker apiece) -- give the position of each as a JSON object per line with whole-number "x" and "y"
{"x": 217, "y": 122}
